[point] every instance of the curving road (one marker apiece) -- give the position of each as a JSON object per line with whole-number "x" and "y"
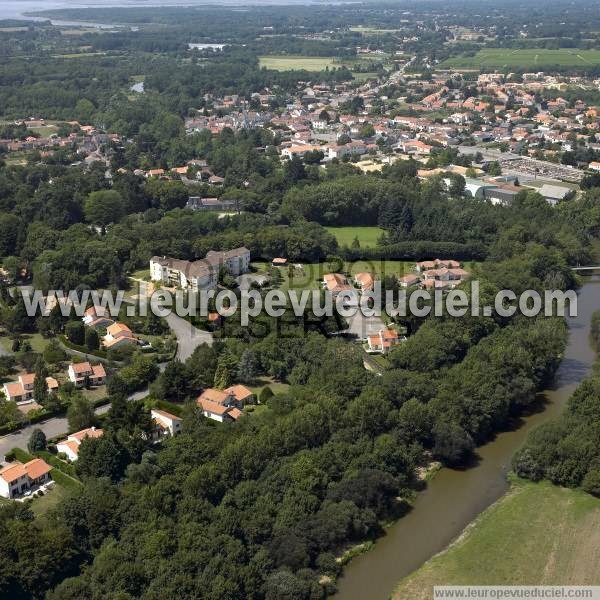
{"x": 188, "y": 339}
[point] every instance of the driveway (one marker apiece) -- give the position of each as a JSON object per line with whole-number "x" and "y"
{"x": 188, "y": 336}
{"x": 362, "y": 326}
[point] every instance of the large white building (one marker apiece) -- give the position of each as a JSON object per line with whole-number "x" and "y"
{"x": 199, "y": 274}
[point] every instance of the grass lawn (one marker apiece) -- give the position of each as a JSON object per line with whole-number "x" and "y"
{"x": 38, "y": 343}
{"x": 367, "y": 236}
{"x": 524, "y": 57}
{"x": 276, "y": 386}
{"x": 291, "y": 62}
{"x": 537, "y": 534}
{"x": 49, "y": 500}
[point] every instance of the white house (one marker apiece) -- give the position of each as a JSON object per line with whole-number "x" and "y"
{"x": 21, "y": 391}
{"x": 383, "y": 341}
{"x": 224, "y": 405}
{"x": 70, "y": 446}
{"x": 165, "y": 424}
{"x": 118, "y": 335}
{"x": 80, "y": 372}
{"x": 16, "y": 478}
{"x": 97, "y": 316}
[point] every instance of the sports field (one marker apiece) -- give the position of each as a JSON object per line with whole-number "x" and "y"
{"x": 291, "y": 63}
{"x": 537, "y": 534}
{"x": 528, "y": 57}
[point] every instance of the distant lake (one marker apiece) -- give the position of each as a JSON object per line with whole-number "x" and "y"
{"x": 15, "y": 9}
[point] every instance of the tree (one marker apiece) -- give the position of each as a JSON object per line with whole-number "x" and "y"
{"x": 174, "y": 382}
{"x": 494, "y": 169}
{"x": 104, "y": 207}
{"x": 53, "y": 353}
{"x": 225, "y": 373}
{"x": 247, "y": 368}
{"x": 265, "y": 394}
{"x": 457, "y": 185}
{"x": 40, "y": 386}
{"x": 366, "y": 131}
{"x": 102, "y": 457}
{"x": 92, "y": 341}
{"x": 75, "y": 332}
{"x": 294, "y": 170}
{"x": 80, "y": 413}
{"x": 37, "y": 441}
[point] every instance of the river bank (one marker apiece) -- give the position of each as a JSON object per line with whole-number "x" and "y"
{"x": 454, "y": 498}
{"x": 537, "y": 532}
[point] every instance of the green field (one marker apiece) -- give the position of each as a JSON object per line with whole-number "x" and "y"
{"x": 537, "y": 534}
{"x": 372, "y": 30}
{"x": 529, "y": 57}
{"x": 290, "y": 63}
{"x": 367, "y": 236}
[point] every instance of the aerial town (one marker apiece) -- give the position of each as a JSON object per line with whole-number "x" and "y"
{"x": 299, "y": 301}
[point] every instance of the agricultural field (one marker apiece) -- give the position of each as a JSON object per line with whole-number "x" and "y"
{"x": 290, "y": 63}
{"x": 524, "y": 57}
{"x": 367, "y": 236}
{"x": 372, "y": 30}
{"x": 537, "y": 533}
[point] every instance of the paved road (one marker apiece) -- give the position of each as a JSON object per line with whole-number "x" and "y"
{"x": 188, "y": 336}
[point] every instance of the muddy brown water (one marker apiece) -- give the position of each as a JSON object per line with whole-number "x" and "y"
{"x": 454, "y": 498}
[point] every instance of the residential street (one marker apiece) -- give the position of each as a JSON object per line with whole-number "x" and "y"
{"x": 188, "y": 338}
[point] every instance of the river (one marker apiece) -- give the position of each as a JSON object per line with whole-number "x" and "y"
{"x": 454, "y": 498}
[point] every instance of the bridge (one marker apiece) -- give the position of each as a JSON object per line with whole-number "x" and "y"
{"x": 586, "y": 268}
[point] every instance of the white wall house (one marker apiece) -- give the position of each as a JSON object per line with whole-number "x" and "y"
{"x": 16, "y": 478}
{"x": 70, "y": 446}
{"x": 200, "y": 274}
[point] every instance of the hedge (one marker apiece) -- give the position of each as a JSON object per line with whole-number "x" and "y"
{"x": 417, "y": 250}
{"x": 53, "y": 460}
{"x": 82, "y": 349}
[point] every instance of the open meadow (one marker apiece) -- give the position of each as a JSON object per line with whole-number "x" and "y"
{"x": 537, "y": 534}
{"x": 524, "y": 57}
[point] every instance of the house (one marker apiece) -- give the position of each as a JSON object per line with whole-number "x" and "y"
{"x": 437, "y": 264}
{"x": 279, "y": 262}
{"x": 165, "y": 424}
{"x": 364, "y": 281}
{"x": 70, "y": 446}
{"x": 79, "y": 373}
{"x": 383, "y": 341}
{"x": 199, "y": 274}
{"x": 21, "y": 391}
{"x": 336, "y": 283}
{"x": 408, "y": 280}
{"x": 218, "y": 412}
{"x": 97, "y": 317}
{"x": 16, "y": 478}
{"x": 222, "y": 405}
{"x": 415, "y": 147}
{"x": 118, "y": 335}
{"x": 443, "y": 277}
{"x": 594, "y": 165}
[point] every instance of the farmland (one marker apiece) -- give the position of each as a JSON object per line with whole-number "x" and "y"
{"x": 537, "y": 533}
{"x": 524, "y": 58}
{"x": 290, "y": 63}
